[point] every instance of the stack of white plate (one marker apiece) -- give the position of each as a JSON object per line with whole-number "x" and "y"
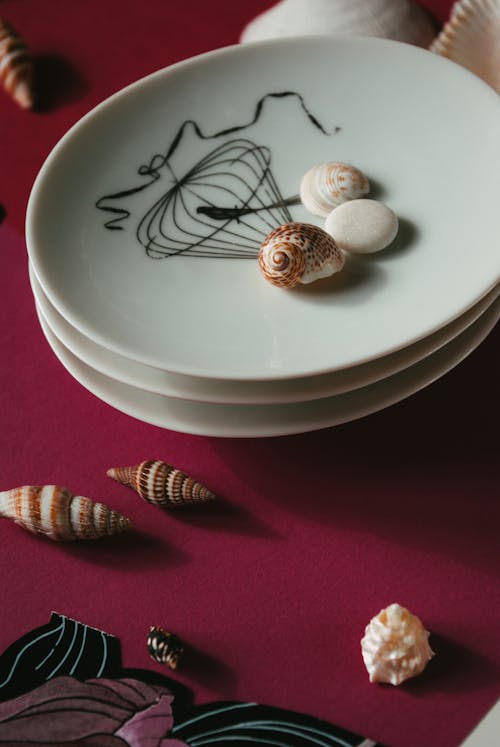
{"x": 145, "y": 222}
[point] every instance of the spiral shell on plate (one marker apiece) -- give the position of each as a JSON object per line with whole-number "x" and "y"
{"x": 472, "y": 38}
{"x": 161, "y": 483}
{"x": 16, "y": 66}
{"x": 327, "y": 185}
{"x": 298, "y": 253}
{"x": 395, "y": 646}
{"x": 60, "y": 515}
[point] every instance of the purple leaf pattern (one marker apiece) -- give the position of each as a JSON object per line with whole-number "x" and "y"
{"x": 104, "y": 712}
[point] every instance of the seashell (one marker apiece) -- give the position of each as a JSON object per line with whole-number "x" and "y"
{"x": 16, "y": 66}
{"x": 298, "y": 253}
{"x": 472, "y": 38}
{"x": 160, "y": 483}
{"x": 395, "y": 646}
{"x": 362, "y": 226}
{"x": 60, "y": 515}
{"x": 328, "y": 185}
{"x": 164, "y": 647}
{"x": 391, "y": 19}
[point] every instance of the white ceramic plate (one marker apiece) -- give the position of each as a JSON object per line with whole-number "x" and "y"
{"x": 273, "y": 420}
{"x": 240, "y": 392}
{"x": 140, "y": 220}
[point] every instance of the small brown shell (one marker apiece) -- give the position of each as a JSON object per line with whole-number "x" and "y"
{"x": 298, "y": 253}
{"x": 60, "y": 515}
{"x": 16, "y": 66}
{"x": 164, "y": 647}
{"x": 161, "y": 483}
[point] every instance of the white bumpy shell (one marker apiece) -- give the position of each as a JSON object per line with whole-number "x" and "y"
{"x": 395, "y": 646}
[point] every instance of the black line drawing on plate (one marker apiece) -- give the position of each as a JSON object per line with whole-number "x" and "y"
{"x": 221, "y": 207}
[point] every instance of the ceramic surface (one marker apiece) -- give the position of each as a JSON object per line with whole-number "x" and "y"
{"x": 273, "y": 420}
{"x": 240, "y": 392}
{"x": 145, "y": 221}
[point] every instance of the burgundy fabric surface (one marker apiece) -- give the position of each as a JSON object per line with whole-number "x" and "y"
{"x": 272, "y": 587}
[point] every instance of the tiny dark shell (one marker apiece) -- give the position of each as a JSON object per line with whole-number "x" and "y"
{"x": 164, "y": 647}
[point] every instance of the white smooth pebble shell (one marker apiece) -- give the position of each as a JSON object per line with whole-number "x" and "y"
{"x": 362, "y": 226}
{"x": 395, "y": 646}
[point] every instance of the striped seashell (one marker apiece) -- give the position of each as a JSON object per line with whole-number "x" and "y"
{"x": 327, "y": 185}
{"x": 160, "y": 483}
{"x": 298, "y": 253}
{"x": 395, "y": 646}
{"x": 60, "y": 515}
{"x": 471, "y": 38}
{"x": 16, "y": 66}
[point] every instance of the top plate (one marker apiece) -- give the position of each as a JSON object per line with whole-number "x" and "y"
{"x": 144, "y": 223}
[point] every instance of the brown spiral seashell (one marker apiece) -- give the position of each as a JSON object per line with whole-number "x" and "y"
{"x": 16, "y": 66}
{"x": 60, "y": 515}
{"x": 161, "y": 483}
{"x": 298, "y": 253}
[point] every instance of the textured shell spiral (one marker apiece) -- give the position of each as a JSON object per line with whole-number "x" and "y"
{"x": 298, "y": 253}
{"x": 395, "y": 646}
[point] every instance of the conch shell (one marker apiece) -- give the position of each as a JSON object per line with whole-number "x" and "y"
{"x": 60, "y": 515}
{"x": 395, "y": 646}
{"x": 16, "y": 66}
{"x": 298, "y": 253}
{"x": 160, "y": 483}
{"x": 472, "y": 38}
{"x": 327, "y": 185}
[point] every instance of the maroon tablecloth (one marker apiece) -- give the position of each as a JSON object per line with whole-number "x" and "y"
{"x": 316, "y": 533}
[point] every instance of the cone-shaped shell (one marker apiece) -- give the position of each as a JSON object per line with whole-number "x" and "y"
{"x": 395, "y": 646}
{"x": 16, "y": 66}
{"x": 298, "y": 253}
{"x": 327, "y": 185}
{"x": 161, "y": 483}
{"x": 472, "y": 38}
{"x": 60, "y": 515}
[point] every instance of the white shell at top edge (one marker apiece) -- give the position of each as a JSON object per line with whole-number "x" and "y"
{"x": 395, "y": 646}
{"x": 391, "y": 19}
{"x": 328, "y": 185}
{"x": 471, "y": 38}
